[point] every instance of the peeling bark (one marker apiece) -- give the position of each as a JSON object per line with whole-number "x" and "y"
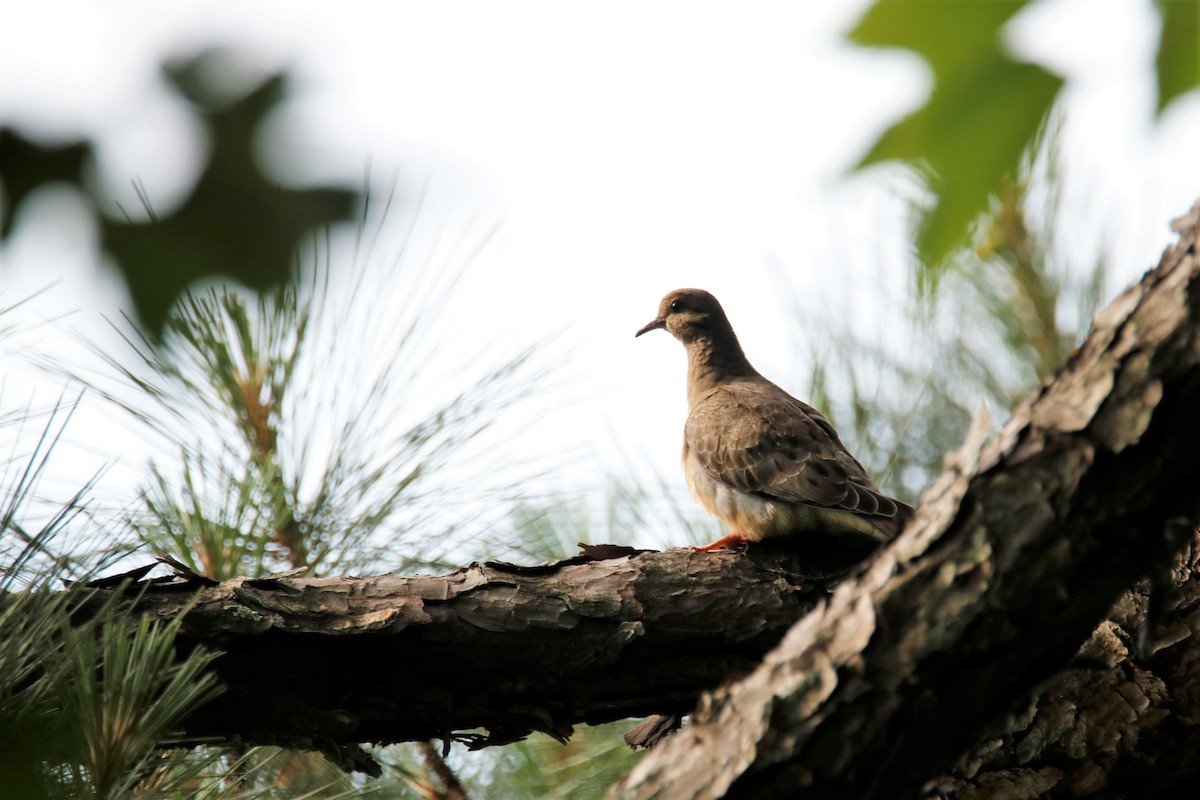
{"x": 614, "y": 633}
{"x": 965, "y": 634}
{"x": 1121, "y": 721}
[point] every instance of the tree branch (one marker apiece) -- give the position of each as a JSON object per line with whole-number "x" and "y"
{"x": 614, "y": 633}
{"x": 1016, "y": 555}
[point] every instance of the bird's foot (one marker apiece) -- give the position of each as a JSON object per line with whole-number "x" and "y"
{"x": 730, "y": 541}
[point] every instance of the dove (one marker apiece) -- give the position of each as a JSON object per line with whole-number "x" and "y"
{"x": 763, "y": 462}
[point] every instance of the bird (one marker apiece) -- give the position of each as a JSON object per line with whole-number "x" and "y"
{"x": 763, "y": 462}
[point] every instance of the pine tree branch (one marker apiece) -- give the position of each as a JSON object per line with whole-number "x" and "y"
{"x": 614, "y": 633}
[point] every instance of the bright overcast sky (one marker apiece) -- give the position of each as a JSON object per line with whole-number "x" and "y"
{"x": 624, "y": 148}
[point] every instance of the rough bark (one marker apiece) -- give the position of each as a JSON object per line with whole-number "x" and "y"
{"x": 613, "y": 633}
{"x": 963, "y": 636}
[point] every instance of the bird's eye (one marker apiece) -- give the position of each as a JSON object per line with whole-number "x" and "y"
{"x": 676, "y": 305}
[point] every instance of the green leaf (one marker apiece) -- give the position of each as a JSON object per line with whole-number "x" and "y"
{"x": 984, "y": 111}
{"x": 26, "y": 165}
{"x": 235, "y": 223}
{"x": 1178, "y": 62}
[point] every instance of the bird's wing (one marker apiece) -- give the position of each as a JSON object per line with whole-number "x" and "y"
{"x": 757, "y": 438}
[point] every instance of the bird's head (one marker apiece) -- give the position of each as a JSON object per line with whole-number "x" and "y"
{"x": 689, "y": 315}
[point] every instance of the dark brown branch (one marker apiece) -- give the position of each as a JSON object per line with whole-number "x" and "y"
{"x": 327, "y": 663}
{"x": 1015, "y": 557}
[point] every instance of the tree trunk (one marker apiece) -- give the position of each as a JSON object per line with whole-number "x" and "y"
{"x": 1032, "y": 633}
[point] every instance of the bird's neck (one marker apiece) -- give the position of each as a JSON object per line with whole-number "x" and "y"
{"x": 715, "y": 360}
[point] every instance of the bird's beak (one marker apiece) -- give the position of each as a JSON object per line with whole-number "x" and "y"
{"x": 653, "y": 325}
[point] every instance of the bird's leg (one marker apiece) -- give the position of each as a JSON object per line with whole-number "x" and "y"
{"x": 726, "y": 542}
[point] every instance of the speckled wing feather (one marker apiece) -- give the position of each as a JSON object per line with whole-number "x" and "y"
{"x": 755, "y": 437}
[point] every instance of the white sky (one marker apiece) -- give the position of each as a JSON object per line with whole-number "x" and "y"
{"x": 626, "y": 149}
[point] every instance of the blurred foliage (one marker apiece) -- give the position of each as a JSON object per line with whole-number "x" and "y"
{"x": 26, "y": 166}
{"x": 653, "y": 507}
{"x": 215, "y": 385}
{"x": 1177, "y": 65}
{"x": 980, "y": 96}
{"x": 1006, "y": 318}
{"x": 235, "y": 223}
{"x": 986, "y": 109}
{"x": 306, "y": 427}
{"x": 583, "y": 768}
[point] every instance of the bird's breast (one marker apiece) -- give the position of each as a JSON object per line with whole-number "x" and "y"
{"x": 751, "y": 515}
